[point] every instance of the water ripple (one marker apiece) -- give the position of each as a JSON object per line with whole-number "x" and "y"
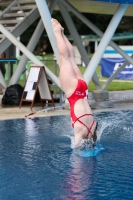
{"x": 37, "y": 161}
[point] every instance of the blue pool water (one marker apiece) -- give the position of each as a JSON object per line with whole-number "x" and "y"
{"x": 37, "y": 160}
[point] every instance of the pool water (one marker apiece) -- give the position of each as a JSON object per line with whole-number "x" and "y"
{"x": 37, "y": 160}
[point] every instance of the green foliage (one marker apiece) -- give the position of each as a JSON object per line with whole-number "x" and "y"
{"x": 116, "y": 85}
{"x": 121, "y": 85}
{"x": 97, "y": 19}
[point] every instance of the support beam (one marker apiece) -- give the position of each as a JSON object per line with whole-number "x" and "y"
{"x": 28, "y": 54}
{"x": 77, "y": 39}
{"x": 96, "y": 45}
{"x": 31, "y": 45}
{"x": 2, "y": 81}
{"x": 95, "y": 29}
{"x": 105, "y": 41}
{"x": 46, "y": 18}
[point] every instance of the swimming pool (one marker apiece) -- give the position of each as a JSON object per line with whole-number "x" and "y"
{"x": 37, "y": 160}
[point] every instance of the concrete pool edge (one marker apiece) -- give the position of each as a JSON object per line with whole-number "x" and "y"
{"x": 16, "y": 113}
{"x": 118, "y": 100}
{"x": 7, "y": 113}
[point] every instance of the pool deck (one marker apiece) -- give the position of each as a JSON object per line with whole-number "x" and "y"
{"x": 119, "y": 100}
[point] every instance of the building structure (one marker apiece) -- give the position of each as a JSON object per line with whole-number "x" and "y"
{"x": 20, "y": 14}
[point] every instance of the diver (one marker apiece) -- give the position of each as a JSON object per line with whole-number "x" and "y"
{"x": 75, "y": 88}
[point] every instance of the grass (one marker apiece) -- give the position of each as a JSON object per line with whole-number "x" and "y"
{"x": 115, "y": 85}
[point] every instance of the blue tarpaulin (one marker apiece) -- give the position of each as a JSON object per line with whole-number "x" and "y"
{"x": 110, "y": 65}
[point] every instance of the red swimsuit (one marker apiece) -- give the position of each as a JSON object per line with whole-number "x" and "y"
{"x": 81, "y": 92}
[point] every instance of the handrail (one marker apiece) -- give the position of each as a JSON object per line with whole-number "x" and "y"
{"x": 20, "y": 8}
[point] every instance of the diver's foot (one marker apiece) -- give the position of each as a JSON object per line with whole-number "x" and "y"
{"x": 56, "y": 25}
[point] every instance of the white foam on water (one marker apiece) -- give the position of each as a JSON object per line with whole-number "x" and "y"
{"x": 113, "y": 123}
{"x": 85, "y": 147}
{"x": 103, "y": 127}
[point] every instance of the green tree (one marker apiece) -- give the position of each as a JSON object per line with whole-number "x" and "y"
{"x": 97, "y": 19}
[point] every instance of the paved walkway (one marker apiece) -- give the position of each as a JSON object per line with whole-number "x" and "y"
{"x": 120, "y": 100}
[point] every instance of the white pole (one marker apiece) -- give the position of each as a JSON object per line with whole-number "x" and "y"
{"x": 17, "y": 50}
{"x": 46, "y": 18}
{"x": 28, "y": 54}
{"x": 96, "y": 44}
{"x": 77, "y": 40}
{"x": 104, "y": 42}
{"x": 31, "y": 45}
{"x": 2, "y": 81}
{"x": 96, "y": 30}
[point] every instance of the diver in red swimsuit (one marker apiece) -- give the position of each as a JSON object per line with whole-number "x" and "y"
{"x": 81, "y": 92}
{"x": 75, "y": 88}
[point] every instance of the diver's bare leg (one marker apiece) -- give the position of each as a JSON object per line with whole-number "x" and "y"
{"x": 72, "y": 58}
{"x": 68, "y": 77}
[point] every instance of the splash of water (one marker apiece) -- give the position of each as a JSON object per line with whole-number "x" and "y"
{"x": 85, "y": 147}
{"x": 100, "y": 132}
